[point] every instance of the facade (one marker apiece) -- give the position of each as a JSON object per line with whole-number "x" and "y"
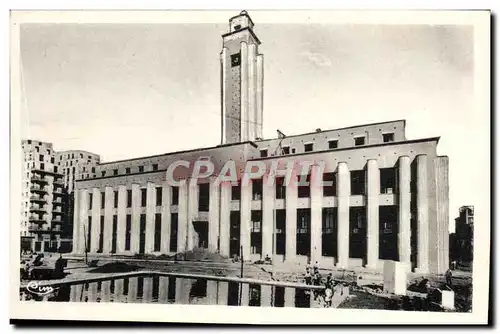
{"x": 386, "y": 196}
{"x": 48, "y": 180}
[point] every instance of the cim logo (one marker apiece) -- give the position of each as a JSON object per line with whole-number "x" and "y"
{"x": 35, "y": 288}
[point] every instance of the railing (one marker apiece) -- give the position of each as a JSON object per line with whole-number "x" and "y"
{"x": 38, "y": 198}
{"x": 38, "y": 208}
{"x": 39, "y": 179}
{"x": 38, "y": 189}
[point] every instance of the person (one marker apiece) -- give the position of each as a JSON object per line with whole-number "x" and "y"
{"x": 308, "y": 277}
{"x": 448, "y": 276}
{"x": 315, "y": 268}
{"x": 328, "y": 297}
{"x": 267, "y": 259}
{"x": 329, "y": 280}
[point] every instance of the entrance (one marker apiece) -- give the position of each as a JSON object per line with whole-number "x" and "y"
{"x": 200, "y": 234}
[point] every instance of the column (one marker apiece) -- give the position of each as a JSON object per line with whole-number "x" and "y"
{"x": 136, "y": 218}
{"x": 266, "y": 295}
{"x": 150, "y": 217}
{"x": 223, "y": 293}
{"x": 122, "y": 219}
{"x": 192, "y": 212}
{"x": 223, "y": 60}
{"x": 268, "y": 224}
{"x": 244, "y": 91}
{"x": 76, "y": 223}
{"x": 211, "y": 292}
{"x": 372, "y": 213}
{"x": 245, "y": 213}
{"x": 291, "y": 220}
{"x": 316, "y": 212}
{"x": 441, "y": 166}
{"x": 422, "y": 214}
{"x": 132, "y": 290}
{"x": 404, "y": 215}
{"x": 108, "y": 220}
{"x": 289, "y": 297}
{"x": 213, "y": 217}
{"x": 260, "y": 95}
{"x": 252, "y": 83}
{"x": 106, "y": 291}
{"x": 163, "y": 290}
{"x": 118, "y": 295}
{"x": 96, "y": 220}
{"x": 182, "y": 217}
{"x": 245, "y": 294}
{"x": 92, "y": 292}
{"x": 165, "y": 218}
{"x": 225, "y": 198}
{"x": 84, "y": 232}
{"x": 343, "y": 193}
{"x": 147, "y": 295}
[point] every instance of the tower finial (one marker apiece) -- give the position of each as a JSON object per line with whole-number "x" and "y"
{"x": 243, "y": 12}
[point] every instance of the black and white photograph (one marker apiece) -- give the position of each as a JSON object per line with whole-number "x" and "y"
{"x": 250, "y": 166}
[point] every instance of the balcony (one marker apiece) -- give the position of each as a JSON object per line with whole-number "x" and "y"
{"x": 57, "y": 220}
{"x": 58, "y": 182}
{"x": 37, "y": 220}
{"x": 38, "y": 189}
{"x": 57, "y": 192}
{"x": 38, "y": 199}
{"x": 34, "y": 229}
{"x": 46, "y": 172}
{"x": 35, "y": 208}
{"x": 38, "y": 179}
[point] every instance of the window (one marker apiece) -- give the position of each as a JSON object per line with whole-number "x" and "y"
{"x": 329, "y": 186}
{"x": 357, "y": 235}
{"x": 303, "y": 188}
{"x": 358, "y": 178}
{"x": 387, "y": 180}
{"x": 103, "y": 173}
{"x": 155, "y": 166}
{"x": 129, "y": 198}
{"x": 55, "y": 169}
{"x": 127, "y": 170}
{"x": 141, "y": 169}
{"x": 159, "y": 196}
{"x": 333, "y": 144}
{"x": 93, "y": 169}
{"x": 236, "y": 192}
{"x": 102, "y": 200}
{"x": 101, "y": 235}
{"x": 293, "y": 150}
{"x": 143, "y": 197}
{"x": 90, "y": 201}
{"x": 41, "y": 157}
{"x": 173, "y": 231}
{"x": 235, "y": 59}
{"x": 280, "y": 231}
{"x": 203, "y": 197}
{"x": 280, "y": 188}
{"x": 329, "y": 232}
{"x": 115, "y": 171}
{"x": 157, "y": 241}
{"x": 37, "y": 149}
{"x": 257, "y": 189}
{"x": 237, "y": 27}
{"x": 114, "y": 232}
{"x": 52, "y": 160}
{"x": 72, "y": 156}
{"x": 263, "y": 153}
{"x": 256, "y": 232}
{"x": 308, "y": 147}
{"x": 285, "y": 150}
{"x": 42, "y": 166}
{"x": 128, "y": 229}
{"x": 116, "y": 199}
{"x": 303, "y": 237}
{"x": 175, "y": 195}
{"x": 388, "y": 137}
{"x": 358, "y": 141}
{"x": 29, "y": 142}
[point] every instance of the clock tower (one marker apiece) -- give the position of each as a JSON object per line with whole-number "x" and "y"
{"x": 242, "y": 77}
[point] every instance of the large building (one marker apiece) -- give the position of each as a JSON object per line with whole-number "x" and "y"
{"x": 462, "y": 241}
{"x": 386, "y": 197}
{"x": 48, "y": 179}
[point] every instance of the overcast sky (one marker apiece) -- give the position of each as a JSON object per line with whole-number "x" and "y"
{"x": 130, "y": 90}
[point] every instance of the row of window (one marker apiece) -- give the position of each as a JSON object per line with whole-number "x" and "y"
{"x": 174, "y": 199}
{"x": 72, "y": 156}
{"x": 332, "y": 144}
{"x": 127, "y": 170}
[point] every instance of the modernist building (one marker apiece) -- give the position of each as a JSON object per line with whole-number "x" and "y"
{"x": 47, "y": 181}
{"x": 387, "y": 196}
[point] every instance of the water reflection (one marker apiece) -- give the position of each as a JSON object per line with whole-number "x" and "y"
{"x": 175, "y": 290}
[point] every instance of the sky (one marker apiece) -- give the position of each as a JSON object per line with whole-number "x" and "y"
{"x": 131, "y": 90}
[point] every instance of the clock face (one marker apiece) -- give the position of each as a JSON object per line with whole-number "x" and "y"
{"x": 235, "y": 60}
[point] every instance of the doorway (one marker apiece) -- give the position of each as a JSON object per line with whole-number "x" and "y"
{"x": 201, "y": 234}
